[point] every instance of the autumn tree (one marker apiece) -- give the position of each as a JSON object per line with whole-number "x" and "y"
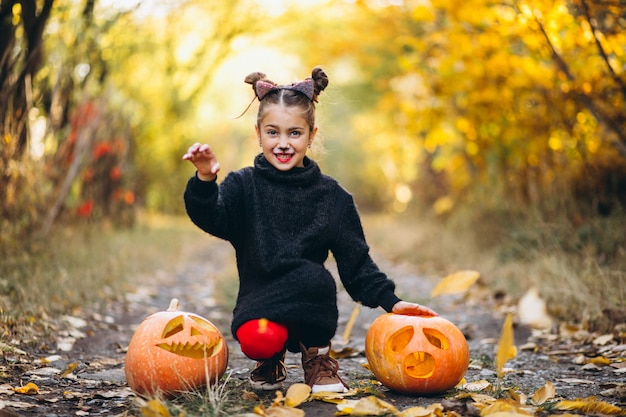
{"x": 514, "y": 102}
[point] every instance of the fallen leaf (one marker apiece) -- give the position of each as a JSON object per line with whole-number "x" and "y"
{"x": 603, "y": 340}
{"x": 367, "y": 406}
{"x": 532, "y": 310}
{"x": 590, "y": 406}
{"x": 506, "y": 408}
{"x": 5, "y": 348}
{"x": 70, "y": 368}
{"x": 114, "y": 393}
{"x": 279, "y": 399}
{"x": 250, "y": 396}
{"x": 6, "y": 389}
{"x": 545, "y": 393}
{"x": 332, "y": 397}
{"x": 28, "y": 389}
{"x": 281, "y": 411}
{"x": 576, "y": 381}
{"x": 506, "y": 347}
{"x": 479, "y": 385}
{"x": 297, "y": 394}
{"x": 599, "y": 360}
{"x": 155, "y": 408}
{"x": 455, "y": 283}
{"x": 346, "y": 352}
{"x": 433, "y": 410}
{"x": 16, "y": 404}
{"x": 350, "y": 323}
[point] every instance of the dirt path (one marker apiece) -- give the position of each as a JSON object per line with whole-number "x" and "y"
{"x": 83, "y": 375}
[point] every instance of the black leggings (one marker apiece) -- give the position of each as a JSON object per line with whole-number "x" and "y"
{"x": 311, "y": 336}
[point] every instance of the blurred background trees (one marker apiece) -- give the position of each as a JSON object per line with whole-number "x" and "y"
{"x": 471, "y": 106}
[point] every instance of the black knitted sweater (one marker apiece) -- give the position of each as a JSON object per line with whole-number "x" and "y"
{"x": 277, "y": 222}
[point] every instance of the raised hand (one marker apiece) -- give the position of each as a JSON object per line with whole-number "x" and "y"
{"x": 204, "y": 160}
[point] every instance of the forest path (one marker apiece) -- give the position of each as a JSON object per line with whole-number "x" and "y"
{"x": 84, "y": 374}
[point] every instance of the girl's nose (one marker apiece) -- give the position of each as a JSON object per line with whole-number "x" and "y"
{"x": 284, "y": 141}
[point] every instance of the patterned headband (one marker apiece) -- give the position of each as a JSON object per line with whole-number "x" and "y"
{"x": 305, "y": 87}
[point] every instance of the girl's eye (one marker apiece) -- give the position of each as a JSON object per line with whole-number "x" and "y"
{"x": 296, "y": 133}
{"x": 271, "y": 132}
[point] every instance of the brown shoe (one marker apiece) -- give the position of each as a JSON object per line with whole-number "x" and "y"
{"x": 320, "y": 370}
{"x": 270, "y": 374}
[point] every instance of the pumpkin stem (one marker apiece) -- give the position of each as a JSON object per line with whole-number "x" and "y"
{"x": 173, "y": 305}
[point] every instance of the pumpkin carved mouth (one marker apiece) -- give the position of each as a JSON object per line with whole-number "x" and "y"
{"x": 192, "y": 342}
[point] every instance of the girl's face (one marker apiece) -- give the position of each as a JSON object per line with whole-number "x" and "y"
{"x": 284, "y": 136}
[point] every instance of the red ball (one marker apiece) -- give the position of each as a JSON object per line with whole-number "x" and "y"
{"x": 261, "y": 339}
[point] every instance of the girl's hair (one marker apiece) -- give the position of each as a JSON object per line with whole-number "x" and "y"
{"x": 290, "y": 97}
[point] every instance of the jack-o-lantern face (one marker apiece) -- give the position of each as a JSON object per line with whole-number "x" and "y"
{"x": 416, "y": 355}
{"x": 191, "y": 336}
{"x": 174, "y": 351}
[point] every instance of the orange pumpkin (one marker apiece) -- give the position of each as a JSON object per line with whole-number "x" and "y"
{"x": 416, "y": 355}
{"x": 173, "y": 351}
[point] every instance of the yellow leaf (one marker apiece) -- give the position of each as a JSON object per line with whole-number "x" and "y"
{"x": 474, "y": 386}
{"x": 590, "y": 406}
{"x": 502, "y": 408}
{"x": 435, "y": 409}
{"x": 70, "y": 368}
{"x": 297, "y": 394}
{"x": 29, "y": 389}
{"x": 371, "y": 406}
{"x": 506, "y": 347}
{"x": 281, "y": 411}
{"x": 278, "y": 400}
{"x": 455, "y": 283}
{"x": 332, "y": 397}
{"x": 155, "y": 408}
{"x": 599, "y": 360}
{"x": 545, "y": 393}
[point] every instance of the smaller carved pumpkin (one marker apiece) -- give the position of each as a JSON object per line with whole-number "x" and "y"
{"x": 416, "y": 355}
{"x": 173, "y": 351}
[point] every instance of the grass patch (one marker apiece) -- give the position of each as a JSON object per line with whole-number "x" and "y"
{"x": 84, "y": 265}
{"x": 579, "y": 269}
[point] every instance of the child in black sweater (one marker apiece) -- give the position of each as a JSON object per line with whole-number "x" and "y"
{"x": 282, "y": 217}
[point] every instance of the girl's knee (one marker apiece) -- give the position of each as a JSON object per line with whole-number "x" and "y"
{"x": 262, "y": 339}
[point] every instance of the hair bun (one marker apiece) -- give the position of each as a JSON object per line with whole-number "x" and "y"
{"x": 320, "y": 79}
{"x": 253, "y": 77}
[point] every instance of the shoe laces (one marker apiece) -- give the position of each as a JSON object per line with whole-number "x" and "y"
{"x": 322, "y": 366}
{"x": 271, "y": 370}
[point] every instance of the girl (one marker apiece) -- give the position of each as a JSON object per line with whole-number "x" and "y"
{"x": 282, "y": 217}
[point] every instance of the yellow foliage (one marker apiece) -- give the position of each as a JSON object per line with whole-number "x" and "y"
{"x": 506, "y": 346}
{"x": 590, "y": 406}
{"x": 30, "y": 388}
{"x": 458, "y": 282}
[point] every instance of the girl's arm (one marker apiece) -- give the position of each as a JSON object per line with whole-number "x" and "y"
{"x": 359, "y": 273}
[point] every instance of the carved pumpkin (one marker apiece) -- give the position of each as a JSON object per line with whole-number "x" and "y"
{"x": 416, "y": 355}
{"x": 173, "y": 351}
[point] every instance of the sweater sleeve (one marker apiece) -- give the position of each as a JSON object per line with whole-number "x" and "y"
{"x": 212, "y": 207}
{"x": 361, "y": 277}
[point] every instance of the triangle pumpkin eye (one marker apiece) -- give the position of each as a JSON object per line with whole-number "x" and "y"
{"x": 173, "y": 327}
